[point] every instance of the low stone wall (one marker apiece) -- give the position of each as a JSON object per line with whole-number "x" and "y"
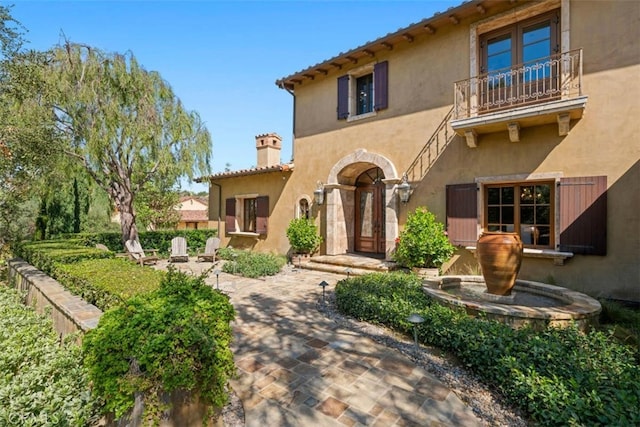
{"x": 69, "y": 312}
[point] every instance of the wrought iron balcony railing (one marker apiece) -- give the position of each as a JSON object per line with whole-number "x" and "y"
{"x": 546, "y": 79}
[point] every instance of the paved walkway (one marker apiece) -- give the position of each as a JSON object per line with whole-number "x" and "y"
{"x": 298, "y": 368}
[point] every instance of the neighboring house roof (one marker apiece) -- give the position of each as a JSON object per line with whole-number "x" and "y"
{"x": 194, "y": 216}
{"x": 451, "y": 16}
{"x": 285, "y": 167}
{"x": 201, "y": 200}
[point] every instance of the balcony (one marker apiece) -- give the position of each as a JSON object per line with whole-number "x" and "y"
{"x": 548, "y": 90}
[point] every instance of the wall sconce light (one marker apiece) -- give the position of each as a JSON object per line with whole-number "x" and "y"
{"x": 404, "y": 189}
{"x": 318, "y": 193}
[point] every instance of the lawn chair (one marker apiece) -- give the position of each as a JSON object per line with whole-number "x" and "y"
{"x": 208, "y": 253}
{"x": 137, "y": 254}
{"x": 178, "y": 250}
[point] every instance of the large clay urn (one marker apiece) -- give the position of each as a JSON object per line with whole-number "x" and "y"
{"x": 500, "y": 256}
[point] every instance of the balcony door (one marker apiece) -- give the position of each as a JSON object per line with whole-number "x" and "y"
{"x": 370, "y": 212}
{"x": 517, "y": 64}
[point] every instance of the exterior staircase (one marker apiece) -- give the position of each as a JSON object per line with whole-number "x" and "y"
{"x": 430, "y": 152}
{"x": 346, "y": 264}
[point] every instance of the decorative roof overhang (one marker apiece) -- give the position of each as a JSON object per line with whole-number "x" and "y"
{"x": 430, "y": 26}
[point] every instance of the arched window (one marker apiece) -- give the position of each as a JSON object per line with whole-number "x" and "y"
{"x": 303, "y": 208}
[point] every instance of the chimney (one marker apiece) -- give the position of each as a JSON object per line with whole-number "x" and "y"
{"x": 268, "y": 147}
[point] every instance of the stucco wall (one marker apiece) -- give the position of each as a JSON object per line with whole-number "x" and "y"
{"x": 605, "y": 141}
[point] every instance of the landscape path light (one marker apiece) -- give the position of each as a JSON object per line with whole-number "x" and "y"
{"x": 324, "y": 285}
{"x": 217, "y": 273}
{"x": 415, "y": 319}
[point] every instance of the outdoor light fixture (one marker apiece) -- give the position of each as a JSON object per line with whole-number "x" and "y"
{"x": 324, "y": 285}
{"x": 318, "y": 193}
{"x": 217, "y": 273}
{"x": 416, "y": 319}
{"x": 404, "y": 189}
{"x": 348, "y": 271}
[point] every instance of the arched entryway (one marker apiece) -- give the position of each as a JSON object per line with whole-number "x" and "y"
{"x": 347, "y": 189}
{"x": 369, "y": 226}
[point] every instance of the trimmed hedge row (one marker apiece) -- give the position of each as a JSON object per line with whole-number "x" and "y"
{"x": 160, "y": 240}
{"x": 107, "y": 283}
{"x": 559, "y": 377}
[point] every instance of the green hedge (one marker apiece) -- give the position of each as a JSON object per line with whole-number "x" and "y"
{"x": 558, "y": 376}
{"x": 41, "y": 382}
{"x": 107, "y": 283}
{"x": 46, "y": 253}
{"x": 160, "y": 240}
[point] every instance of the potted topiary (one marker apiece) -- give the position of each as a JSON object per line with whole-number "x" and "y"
{"x": 303, "y": 237}
{"x": 423, "y": 245}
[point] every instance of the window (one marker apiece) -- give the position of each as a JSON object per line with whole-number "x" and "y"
{"x": 303, "y": 208}
{"x": 516, "y": 61}
{"x": 567, "y": 214}
{"x": 363, "y": 91}
{"x": 523, "y": 208}
{"x": 247, "y": 214}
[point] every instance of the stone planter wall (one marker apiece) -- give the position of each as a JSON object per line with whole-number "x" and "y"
{"x": 69, "y": 312}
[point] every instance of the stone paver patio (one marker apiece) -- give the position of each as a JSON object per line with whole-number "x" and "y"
{"x": 297, "y": 367}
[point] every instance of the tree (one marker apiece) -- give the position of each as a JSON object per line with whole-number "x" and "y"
{"x": 123, "y": 124}
{"x": 27, "y": 149}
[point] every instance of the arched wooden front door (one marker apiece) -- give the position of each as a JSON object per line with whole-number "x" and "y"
{"x": 370, "y": 212}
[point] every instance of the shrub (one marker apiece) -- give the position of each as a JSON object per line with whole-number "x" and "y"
{"x": 303, "y": 236}
{"x": 253, "y": 264}
{"x": 558, "y": 376}
{"x": 107, "y": 283}
{"x": 423, "y": 242}
{"x": 42, "y": 382}
{"x": 177, "y": 336}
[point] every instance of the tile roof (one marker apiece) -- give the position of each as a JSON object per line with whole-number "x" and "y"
{"x": 194, "y": 216}
{"x": 284, "y": 167}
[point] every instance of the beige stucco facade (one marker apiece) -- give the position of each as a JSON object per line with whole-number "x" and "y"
{"x": 602, "y": 139}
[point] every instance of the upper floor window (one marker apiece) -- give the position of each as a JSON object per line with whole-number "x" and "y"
{"x": 363, "y": 91}
{"x": 516, "y": 61}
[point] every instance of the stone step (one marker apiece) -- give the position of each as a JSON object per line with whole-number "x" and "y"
{"x": 335, "y": 268}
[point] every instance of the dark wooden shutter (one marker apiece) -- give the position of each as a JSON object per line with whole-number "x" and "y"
{"x": 380, "y": 85}
{"x": 262, "y": 214}
{"x": 462, "y": 214}
{"x": 343, "y": 97}
{"x": 230, "y": 215}
{"x": 583, "y": 215}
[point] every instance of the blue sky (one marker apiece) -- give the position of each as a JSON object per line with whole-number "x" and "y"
{"x": 222, "y": 58}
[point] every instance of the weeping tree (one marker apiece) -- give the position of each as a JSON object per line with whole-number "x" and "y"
{"x": 28, "y": 148}
{"x": 121, "y": 123}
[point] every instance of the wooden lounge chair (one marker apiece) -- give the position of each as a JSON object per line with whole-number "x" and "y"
{"x": 137, "y": 254}
{"x": 178, "y": 250}
{"x": 208, "y": 253}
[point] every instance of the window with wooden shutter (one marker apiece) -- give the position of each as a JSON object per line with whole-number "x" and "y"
{"x": 380, "y": 85}
{"x": 343, "y": 97}
{"x": 230, "y": 215}
{"x": 462, "y": 214}
{"x": 262, "y": 214}
{"x": 583, "y": 215}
